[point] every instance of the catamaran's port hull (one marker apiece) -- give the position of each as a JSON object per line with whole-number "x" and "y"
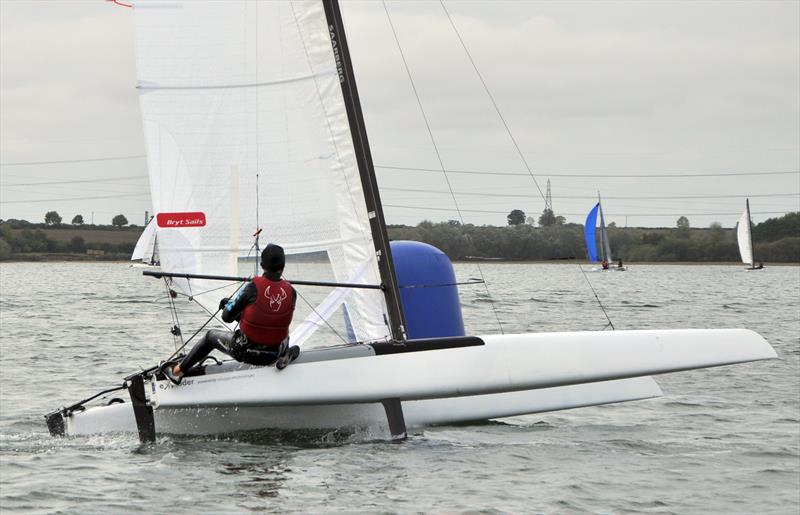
{"x": 199, "y": 421}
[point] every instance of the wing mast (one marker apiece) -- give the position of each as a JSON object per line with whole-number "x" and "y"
{"x": 366, "y": 168}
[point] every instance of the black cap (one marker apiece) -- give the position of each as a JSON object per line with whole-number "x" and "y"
{"x": 272, "y": 258}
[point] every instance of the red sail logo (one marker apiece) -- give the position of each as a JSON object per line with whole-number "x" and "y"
{"x": 179, "y": 220}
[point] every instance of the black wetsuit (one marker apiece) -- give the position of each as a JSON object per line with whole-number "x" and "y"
{"x": 234, "y": 344}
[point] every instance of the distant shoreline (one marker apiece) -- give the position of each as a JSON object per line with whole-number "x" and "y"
{"x": 84, "y": 258}
{"x": 778, "y": 242}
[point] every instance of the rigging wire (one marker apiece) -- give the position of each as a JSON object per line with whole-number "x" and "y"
{"x": 491, "y": 97}
{"x": 438, "y": 154}
{"x": 256, "y": 235}
{"x": 321, "y": 317}
{"x": 207, "y": 291}
{"x": 176, "y": 325}
{"x": 212, "y": 317}
{"x": 510, "y": 135}
{"x": 611, "y": 324}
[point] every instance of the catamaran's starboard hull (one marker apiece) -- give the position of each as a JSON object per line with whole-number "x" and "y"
{"x": 119, "y": 417}
{"x": 437, "y": 381}
{"x": 477, "y": 366}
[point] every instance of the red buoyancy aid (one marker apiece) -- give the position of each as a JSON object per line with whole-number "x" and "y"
{"x": 266, "y": 321}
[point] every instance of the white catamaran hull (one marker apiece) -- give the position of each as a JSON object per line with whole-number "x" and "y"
{"x": 497, "y": 376}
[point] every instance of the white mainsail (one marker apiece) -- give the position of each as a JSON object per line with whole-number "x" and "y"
{"x": 235, "y": 90}
{"x": 145, "y": 249}
{"x": 605, "y": 247}
{"x": 745, "y": 238}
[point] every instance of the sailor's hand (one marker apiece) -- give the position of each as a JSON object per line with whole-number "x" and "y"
{"x": 223, "y": 302}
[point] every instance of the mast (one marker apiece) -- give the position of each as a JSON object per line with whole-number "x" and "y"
{"x": 366, "y": 168}
{"x": 750, "y": 235}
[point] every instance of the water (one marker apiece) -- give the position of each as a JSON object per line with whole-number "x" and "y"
{"x": 720, "y": 440}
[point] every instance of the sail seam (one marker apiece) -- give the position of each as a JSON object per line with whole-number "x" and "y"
{"x": 145, "y": 85}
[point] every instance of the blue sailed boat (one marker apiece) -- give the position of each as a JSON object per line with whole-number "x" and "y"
{"x": 602, "y": 253}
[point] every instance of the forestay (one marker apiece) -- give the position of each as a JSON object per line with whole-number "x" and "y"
{"x": 232, "y": 90}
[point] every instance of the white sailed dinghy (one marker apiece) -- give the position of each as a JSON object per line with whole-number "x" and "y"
{"x": 237, "y": 92}
{"x": 744, "y": 237}
{"x": 146, "y": 249}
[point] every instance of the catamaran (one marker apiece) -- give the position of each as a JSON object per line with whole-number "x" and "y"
{"x": 590, "y": 229}
{"x": 744, "y": 236}
{"x": 235, "y": 93}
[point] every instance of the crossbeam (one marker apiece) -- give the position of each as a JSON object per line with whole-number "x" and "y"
{"x": 159, "y": 275}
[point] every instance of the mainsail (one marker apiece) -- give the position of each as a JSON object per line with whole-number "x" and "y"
{"x": 744, "y": 236}
{"x": 605, "y": 247}
{"x": 239, "y": 97}
{"x": 146, "y": 249}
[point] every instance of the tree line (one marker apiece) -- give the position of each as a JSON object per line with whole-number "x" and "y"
{"x": 21, "y": 237}
{"x": 52, "y": 218}
{"x": 775, "y": 240}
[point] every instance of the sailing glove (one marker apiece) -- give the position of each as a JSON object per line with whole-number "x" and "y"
{"x": 223, "y": 302}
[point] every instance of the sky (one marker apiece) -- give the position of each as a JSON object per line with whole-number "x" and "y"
{"x": 664, "y": 108}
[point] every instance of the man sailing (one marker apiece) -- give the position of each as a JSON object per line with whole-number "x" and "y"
{"x": 264, "y": 310}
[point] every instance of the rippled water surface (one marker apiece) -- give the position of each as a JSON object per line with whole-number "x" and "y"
{"x": 723, "y": 440}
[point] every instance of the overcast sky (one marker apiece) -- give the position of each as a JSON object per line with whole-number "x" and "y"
{"x": 586, "y": 88}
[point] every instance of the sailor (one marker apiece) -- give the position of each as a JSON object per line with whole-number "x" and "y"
{"x": 619, "y": 264}
{"x": 264, "y": 310}
{"x": 604, "y": 264}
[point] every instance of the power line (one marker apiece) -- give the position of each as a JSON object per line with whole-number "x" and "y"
{"x": 104, "y": 179}
{"x": 585, "y": 174}
{"x": 426, "y": 208}
{"x": 66, "y": 161}
{"x": 104, "y": 197}
{"x": 578, "y": 197}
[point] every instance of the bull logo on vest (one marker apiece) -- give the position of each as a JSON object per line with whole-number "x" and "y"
{"x": 276, "y": 300}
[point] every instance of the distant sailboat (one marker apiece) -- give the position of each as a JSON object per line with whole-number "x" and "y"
{"x": 146, "y": 250}
{"x": 745, "y": 237}
{"x": 590, "y": 233}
